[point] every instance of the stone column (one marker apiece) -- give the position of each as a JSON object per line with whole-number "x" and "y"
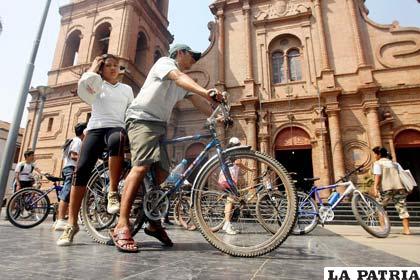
{"x": 321, "y": 34}
{"x": 361, "y": 60}
{"x": 126, "y": 32}
{"x": 248, "y": 44}
{"x": 373, "y": 129}
{"x": 221, "y": 46}
{"x": 251, "y": 134}
{"x": 336, "y": 145}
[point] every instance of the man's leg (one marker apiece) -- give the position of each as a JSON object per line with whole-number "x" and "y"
{"x": 131, "y": 187}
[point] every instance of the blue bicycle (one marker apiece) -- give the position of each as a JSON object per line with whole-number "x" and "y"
{"x": 225, "y": 190}
{"x": 29, "y": 207}
{"x": 367, "y": 211}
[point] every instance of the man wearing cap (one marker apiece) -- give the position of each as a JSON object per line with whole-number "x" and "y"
{"x": 146, "y": 120}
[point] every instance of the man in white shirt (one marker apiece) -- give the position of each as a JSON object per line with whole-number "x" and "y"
{"x": 71, "y": 151}
{"x": 146, "y": 118}
{"x": 24, "y": 171}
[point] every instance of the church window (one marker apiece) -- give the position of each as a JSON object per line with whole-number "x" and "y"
{"x": 278, "y": 67}
{"x": 101, "y": 43}
{"x": 141, "y": 51}
{"x": 156, "y": 55}
{"x": 71, "y": 50}
{"x": 293, "y": 61}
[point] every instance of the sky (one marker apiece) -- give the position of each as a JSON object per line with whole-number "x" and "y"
{"x": 21, "y": 18}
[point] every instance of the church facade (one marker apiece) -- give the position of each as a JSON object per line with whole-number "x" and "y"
{"x": 314, "y": 83}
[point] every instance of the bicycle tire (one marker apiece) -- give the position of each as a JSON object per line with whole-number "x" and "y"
{"x": 313, "y": 218}
{"x": 358, "y": 203}
{"x": 274, "y": 240}
{"x": 14, "y": 219}
{"x": 100, "y": 234}
{"x": 183, "y": 213}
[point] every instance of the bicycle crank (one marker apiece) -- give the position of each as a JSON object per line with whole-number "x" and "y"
{"x": 156, "y": 205}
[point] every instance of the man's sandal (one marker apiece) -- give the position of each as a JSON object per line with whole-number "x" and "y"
{"x": 161, "y": 235}
{"x": 122, "y": 239}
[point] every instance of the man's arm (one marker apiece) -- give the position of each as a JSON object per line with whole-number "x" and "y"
{"x": 201, "y": 104}
{"x": 17, "y": 179}
{"x": 184, "y": 81}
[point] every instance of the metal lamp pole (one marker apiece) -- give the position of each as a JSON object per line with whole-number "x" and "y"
{"x": 43, "y": 91}
{"x": 17, "y": 117}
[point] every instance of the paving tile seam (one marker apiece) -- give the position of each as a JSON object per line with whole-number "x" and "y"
{"x": 259, "y": 269}
{"x": 147, "y": 271}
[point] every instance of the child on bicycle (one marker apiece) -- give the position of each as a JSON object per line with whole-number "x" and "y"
{"x": 24, "y": 171}
{"x": 71, "y": 151}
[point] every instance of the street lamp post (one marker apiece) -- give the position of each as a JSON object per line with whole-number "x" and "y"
{"x": 10, "y": 147}
{"x": 43, "y": 92}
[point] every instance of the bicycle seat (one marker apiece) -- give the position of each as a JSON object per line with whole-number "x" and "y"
{"x": 311, "y": 179}
{"x": 53, "y": 179}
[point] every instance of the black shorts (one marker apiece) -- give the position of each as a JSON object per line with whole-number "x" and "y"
{"x": 93, "y": 146}
{"x": 26, "y": 184}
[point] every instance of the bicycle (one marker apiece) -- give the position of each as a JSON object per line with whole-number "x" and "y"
{"x": 29, "y": 207}
{"x": 367, "y": 211}
{"x": 253, "y": 240}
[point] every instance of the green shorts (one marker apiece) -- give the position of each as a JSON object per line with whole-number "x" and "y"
{"x": 146, "y": 143}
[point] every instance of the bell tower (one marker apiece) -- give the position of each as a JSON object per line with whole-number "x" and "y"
{"x": 134, "y": 30}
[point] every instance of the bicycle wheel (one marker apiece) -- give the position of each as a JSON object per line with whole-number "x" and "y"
{"x": 96, "y": 220}
{"x": 182, "y": 213}
{"x": 307, "y": 218}
{"x": 266, "y": 210}
{"x": 370, "y": 215}
{"x": 28, "y": 208}
{"x": 253, "y": 239}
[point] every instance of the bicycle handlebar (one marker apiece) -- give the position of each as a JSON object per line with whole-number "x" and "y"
{"x": 345, "y": 178}
{"x": 223, "y": 108}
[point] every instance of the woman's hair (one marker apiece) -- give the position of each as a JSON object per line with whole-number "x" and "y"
{"x": 105, "y": 57}
{"x": 381, "y": 151}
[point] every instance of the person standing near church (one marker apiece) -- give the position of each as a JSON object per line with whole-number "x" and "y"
{"x": 109, "y": 98}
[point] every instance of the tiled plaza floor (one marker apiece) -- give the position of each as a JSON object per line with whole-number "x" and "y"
{"x": 32, "y": 254}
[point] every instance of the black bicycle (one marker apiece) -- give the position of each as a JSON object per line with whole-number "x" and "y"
{"x": 29, "y": 207}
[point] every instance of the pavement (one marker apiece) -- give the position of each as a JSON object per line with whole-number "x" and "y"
{"x": 32, "y": 254}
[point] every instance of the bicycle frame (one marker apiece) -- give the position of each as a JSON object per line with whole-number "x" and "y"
{"x": 214, "y": 143}
{"x": 350, "y": 188}
{"x": 54, "y": 187}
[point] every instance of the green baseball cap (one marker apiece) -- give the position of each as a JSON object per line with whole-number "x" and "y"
{"x": 179, "y": 47}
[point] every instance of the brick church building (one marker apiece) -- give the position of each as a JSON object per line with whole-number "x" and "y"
{"x": 314, "y": 83}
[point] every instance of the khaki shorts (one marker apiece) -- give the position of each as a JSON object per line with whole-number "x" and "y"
{"x": 146, "y": 143}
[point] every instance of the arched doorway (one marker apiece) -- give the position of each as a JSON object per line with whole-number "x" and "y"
{"x": 293, "y": 150}
{"x": 407, "y": 149}
{"x": 190, "y": 155}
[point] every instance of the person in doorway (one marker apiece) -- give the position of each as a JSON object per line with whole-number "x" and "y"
{"x": 146, "y": 118}
{"x": 109, "y": 98}
{"x": 24, "y": 171}
{"x": 388, "y": 187}
{"x": 71, "y": 152}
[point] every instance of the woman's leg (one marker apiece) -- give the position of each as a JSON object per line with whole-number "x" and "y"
{"x": 116, "y": 139}
{"x": 92, "y": 147}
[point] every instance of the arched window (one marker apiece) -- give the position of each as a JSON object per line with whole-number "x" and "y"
{"x": 141, "y": 51}
{"x": 286, "y": 59}
{"x": 293, "y": 61}
{"x": 156, "y": 55}
{"x": 159, "y": 4}
{"x": 71, "y": 50}
{"x": 278, "y": 67}
{"x": 101, "y": 43}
